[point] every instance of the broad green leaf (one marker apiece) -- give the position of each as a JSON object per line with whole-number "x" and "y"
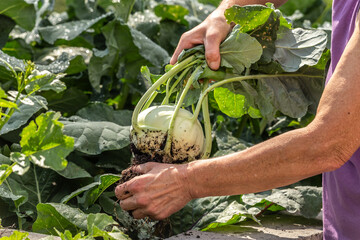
{"x": 233, "y": 213}
{"x": 239, "y": 51}
{"x": 26, "y": 110}
{"x": 108, "y": 114}
{"x": 17, "y": 235}
{"x": 199, "y": 213}
{"x": 248, "y": 17}
{"x": 100, "y": 221}
{"x": 290, "y": 95}
{"x": 64, "y": 101}
{"x": 73, "y": 171}
{"x": 105, "y": 182}
{"x": 175, "y": 13}
{"x": 302, "y": 200}
{"x": 79, "y": 191}
{"x": 51, "y": 216}
{"x": 7, "y": 25}
{"x": 14, "y": 198}
{"x": 143, "y": 228}
{"x": 95, "y": 137}
{"x": 233, "y": 105}
{"x": 135, "y": 50}
{"x": 227, "y": 143}
{"x": 298, "y": 47}
{"x": 20, "y": 11}
{"x": 121, "y": 8}
{"x": 68, "y": 31}
{"x": 44, "y": 81}
{"x": 45, "y": 144}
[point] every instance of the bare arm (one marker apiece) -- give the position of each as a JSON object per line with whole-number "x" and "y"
{"x": 212, "y": 31}
{"x": 325, "y": 145}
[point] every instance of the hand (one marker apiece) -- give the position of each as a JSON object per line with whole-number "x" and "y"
{"x": 161, "y": 191}
{"x": 211, "y": 32}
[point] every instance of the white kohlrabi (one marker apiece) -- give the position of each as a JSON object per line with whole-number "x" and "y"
{"x": 187, "y": 137}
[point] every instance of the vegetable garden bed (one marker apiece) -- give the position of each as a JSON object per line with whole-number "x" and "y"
{"x": 71, "y": 81}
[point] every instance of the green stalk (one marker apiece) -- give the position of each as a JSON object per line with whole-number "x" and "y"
{"x": 239, "y": 79}
{"x": 207, "y": 125}
{"x": 177, "y": 68}
{"x": 150, "y": 100}
{"x": 169, "y": 92}
{"x": 9, "y": 113}
{"x": 37, "y": 185}
{"x": 178, "y": 105}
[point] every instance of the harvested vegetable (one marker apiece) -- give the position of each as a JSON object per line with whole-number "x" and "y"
{"x": 262, "y": 60}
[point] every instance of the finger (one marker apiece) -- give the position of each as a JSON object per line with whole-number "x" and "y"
{"x": 212, "y": 50}
{"x": 129, "y": 204}
{"x": 121, "y": 192}
{"x": 138, "y": 213}
{"x": 188, "y": 40}
{"x": 183, "y": 44}
{"x": 143, "y": 168}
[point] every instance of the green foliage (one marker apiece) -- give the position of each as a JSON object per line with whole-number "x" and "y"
{"x": 65, "y": 121}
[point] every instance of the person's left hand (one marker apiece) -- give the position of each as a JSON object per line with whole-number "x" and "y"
{"x": 162, "y": 190}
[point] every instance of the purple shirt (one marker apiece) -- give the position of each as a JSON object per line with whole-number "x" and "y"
{"x": 341, "y": 188}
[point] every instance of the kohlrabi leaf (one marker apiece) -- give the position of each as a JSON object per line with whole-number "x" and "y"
{"x": 23, "y": 13}
{"x": 233, "y": 105}
{"x": 298, "y": 47}
{"x": 97, "y": 223}
{"x": 290, "y": 95}
{"x": 227, "y": 143}
{"x": 239, "y": 51}
{"x": 27, "y": 108}
{"x": 7, "y": 25}
{"x": 43, "y": 81}
{"x": 121, "y": 9}
{"x": 73, "y": 171}
{"x": 59, "y": 216}
{"x": 69, "y": 30}
{"x": 95, "y": 137}
{"x": 64, "y": 101}
{"x": 45, "y": 144}
{"x": 302, "y": 200}
{"x": 108, "y": 114}
{"x": 248, "y": 17}
{"x": 135, "y": 50}
{"x": 104, "y": 182}
{"x": 175, "y": 13}
{"x": 37, "y": 184}
{"x": 200, "y": 212}
{"x": 14, "y": 199}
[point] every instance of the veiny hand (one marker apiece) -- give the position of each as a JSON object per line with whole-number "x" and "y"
{"x": 162, "y": 190}
{"x": 211, "y": 32}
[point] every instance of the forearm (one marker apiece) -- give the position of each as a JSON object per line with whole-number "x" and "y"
{"x": 280, "y": 161}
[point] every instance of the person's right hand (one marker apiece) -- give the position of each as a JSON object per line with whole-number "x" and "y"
{"x": 211, "y": 32}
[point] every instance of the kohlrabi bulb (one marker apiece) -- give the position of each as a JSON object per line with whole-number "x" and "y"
{"x": 187, "y": 138}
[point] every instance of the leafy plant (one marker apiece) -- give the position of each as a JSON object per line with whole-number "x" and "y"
{"x": 70, "y": 80}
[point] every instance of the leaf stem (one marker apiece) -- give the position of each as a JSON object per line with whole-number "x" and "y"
{"x": 177, "y": 68}
{"x": 207, "y": 125}
{"x": 178, "y": 105}
{"x": 37, "y": 185}
{"x": 239, "y": 79}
